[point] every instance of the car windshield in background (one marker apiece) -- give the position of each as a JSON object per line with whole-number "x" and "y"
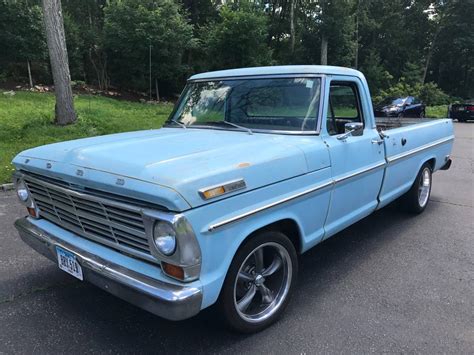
{"x": 393, "y": 101}
{"x": 289, "y": 104}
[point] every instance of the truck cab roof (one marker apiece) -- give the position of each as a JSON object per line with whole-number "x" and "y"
{"x": 278, "y": 70}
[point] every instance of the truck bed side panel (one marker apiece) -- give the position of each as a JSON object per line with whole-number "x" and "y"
{"x": 407, "y": 149}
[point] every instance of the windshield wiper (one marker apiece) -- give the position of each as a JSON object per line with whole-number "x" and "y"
{"x": 249, "y": 131}
{"x": 178, "y": 123}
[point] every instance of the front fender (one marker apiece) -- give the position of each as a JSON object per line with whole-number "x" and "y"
{"x": 220, "y": 245}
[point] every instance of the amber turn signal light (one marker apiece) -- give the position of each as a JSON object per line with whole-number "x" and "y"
{"x": 32, "y": 212}
{"x": 217, "y": 191}
{"x": 173, "y": 270}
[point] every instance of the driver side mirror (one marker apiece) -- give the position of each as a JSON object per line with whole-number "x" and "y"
{"x": 351, "y": 129}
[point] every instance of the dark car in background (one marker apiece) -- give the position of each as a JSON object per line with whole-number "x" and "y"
{"x": 462, "y": 112}
{"x": 407, "y": 106}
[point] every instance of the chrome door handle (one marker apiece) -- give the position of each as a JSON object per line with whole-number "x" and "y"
{"x": 377, "y": 141}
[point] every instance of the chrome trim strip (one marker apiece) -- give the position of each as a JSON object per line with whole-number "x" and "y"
{"x": 258, "y": 76}
{"x": 359, "y": 172}
{"x": 292, "y": 197}
{"x": 270, "y": 205}
{"x": 254, "y": 130}
{"x": 419, "y": 149}
{"x": 333, "y": 182}
{"x": 322, "y": 94}
{"x": 167, "y": 300}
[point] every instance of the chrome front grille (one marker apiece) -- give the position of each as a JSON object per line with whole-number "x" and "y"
{"x": 107, "y": 222}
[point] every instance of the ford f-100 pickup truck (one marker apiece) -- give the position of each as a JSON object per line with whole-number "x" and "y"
{"x": 253, "y": 167}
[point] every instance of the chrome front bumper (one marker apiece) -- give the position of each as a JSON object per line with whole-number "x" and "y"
{"x": 167, "y": 300}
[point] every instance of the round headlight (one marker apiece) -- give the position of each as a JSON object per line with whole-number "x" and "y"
{"x": 22, "y": 192}
{"x": 164, "y": 237}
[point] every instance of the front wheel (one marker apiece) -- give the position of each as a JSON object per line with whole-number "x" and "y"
{"x": 259, "y": 283}
{"x": 416, "y": 199}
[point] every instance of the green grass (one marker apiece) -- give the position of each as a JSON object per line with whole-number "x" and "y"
{"x": 26, "y": 120}
{"x": 440, "y": 111}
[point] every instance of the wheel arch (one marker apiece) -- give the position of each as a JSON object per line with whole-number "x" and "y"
{"x": 287, "y": 226}
{"x": 431, "y": 162}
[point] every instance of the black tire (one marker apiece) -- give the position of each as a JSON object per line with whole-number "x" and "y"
{"x": 416, "y": 199}
{"x": 227, "y": 305}
{"x": 422, "y": 114}
{"x": 462, "y": 120}
{"x": 400, "y": 115}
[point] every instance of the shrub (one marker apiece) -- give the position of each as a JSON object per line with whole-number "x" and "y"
{"x": 429, "y": 93}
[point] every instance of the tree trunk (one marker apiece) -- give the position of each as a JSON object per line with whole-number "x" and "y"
{"x": 324, "y": 50}
{"x": 430, "y": 53}
{"x": 53, "y": 21}
{"x": 157, "y": 91}
{"x": 356, "y": 59}
{"x": 292, "y": 26}
{"x": 149, "y": 77}
{"x": 29, "y": 73}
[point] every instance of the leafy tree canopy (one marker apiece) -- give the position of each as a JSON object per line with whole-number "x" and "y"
{"x": 398, "y": 44}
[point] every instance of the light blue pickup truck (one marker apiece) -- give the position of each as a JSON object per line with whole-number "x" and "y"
{"x": 254, "y": 167}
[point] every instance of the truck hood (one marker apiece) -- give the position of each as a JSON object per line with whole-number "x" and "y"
{"x": 183, "y": 160}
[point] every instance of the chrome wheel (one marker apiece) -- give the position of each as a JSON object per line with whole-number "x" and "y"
{"x": 424, "y": 187}
{"x": 263, "y": 282}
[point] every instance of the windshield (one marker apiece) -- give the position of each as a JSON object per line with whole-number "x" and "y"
{"x": 393, "y": 101}
{"x": 289, "y": 104}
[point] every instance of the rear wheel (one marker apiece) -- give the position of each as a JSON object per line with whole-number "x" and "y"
{"x": 259, "y": 283}
{"x": 416, "y": 199}
{"x": 422, "y": 114}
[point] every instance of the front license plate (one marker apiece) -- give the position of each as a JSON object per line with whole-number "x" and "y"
{"x": 67, "y": 262}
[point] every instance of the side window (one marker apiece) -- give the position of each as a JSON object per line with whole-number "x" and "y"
{"x": 409, "y": 101}
{"x": 344, "y": 107}
{"x": 416, "y": 101}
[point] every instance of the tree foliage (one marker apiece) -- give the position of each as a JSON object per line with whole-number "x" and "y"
{"x": 398, "y": 44}
{"x": 237, "y": 39}
{"x": 133, "y": 29}
{"x": 22, "y": 37}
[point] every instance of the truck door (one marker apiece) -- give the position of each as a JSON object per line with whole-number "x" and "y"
{"x": 357, "y": 162}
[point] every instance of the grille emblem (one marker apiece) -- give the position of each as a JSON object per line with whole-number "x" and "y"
{"x": 79, "y": 172}
{"x": 48, "y": 165}
{"x": 120, "y": 182}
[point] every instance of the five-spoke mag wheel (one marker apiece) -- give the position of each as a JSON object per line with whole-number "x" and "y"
{"x": 262, "y": 282}
{"x": 259, "y": 282}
